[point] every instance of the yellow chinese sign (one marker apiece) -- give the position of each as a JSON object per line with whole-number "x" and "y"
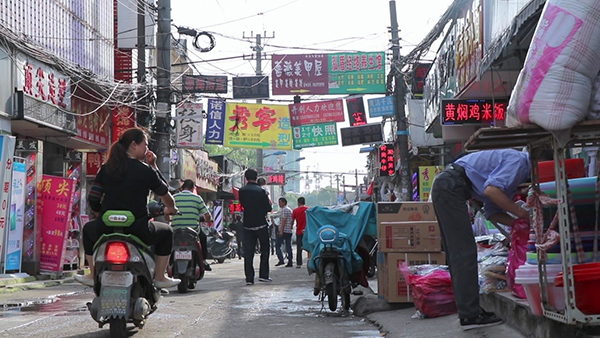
{"x": 250, "y": 125}
{"x": 426, "y": 177}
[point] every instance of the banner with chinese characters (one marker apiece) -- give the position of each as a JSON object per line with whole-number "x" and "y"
{"x": 7, "y": 148}
{"x": 387, "y": 163}
{"x": 276, "y": 179}
{"x": 93, "y": 162}
{"x": 123, "y": 118}
{"x": 215, "y": 125}
{"x": 55, "y": 195}
{"x": 17, "y": 218}
{"x": 382, "y": 107}
{"x": 189, "y": 125}
{"x": 356, "y": 111}
{"x": 426, "y": 177}
{"x": 477, "y": 111}
{"x": 93, "y": 124}
{"x": 249, "y": 125}
{"x": 317, "y": 135}
{"x": 341, "y": 73}
{"x": 365, "y": 134}
{"x": 317, "y": 112}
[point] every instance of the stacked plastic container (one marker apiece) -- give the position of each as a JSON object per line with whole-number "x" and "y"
{"x": 528, "y": 276}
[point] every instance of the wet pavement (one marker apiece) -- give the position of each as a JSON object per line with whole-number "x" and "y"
{"x": 220, "y": 306}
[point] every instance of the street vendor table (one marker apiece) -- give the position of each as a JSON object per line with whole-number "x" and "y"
{"x": 584, "y": 134}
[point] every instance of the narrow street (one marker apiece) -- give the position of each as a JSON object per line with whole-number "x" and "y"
{"x": 220, "y": 306}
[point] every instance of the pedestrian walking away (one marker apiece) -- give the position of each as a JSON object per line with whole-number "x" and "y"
{"x": 492, "y": 177}
{"x": 256, "y": 205}
{"x": 285, "y": 233}
{"x": 192, "y": 210}
{"x": 299, "y": 217}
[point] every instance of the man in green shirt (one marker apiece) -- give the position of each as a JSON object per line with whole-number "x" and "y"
{"x": 192, "y": 207}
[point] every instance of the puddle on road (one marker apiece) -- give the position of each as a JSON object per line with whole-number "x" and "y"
{"x": 60, "y": 304}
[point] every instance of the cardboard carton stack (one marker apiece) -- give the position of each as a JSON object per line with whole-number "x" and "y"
{"x": 407, "y": 232}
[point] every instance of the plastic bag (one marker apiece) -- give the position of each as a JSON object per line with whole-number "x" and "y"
{"x": 430, "y": 288}
{"x": 517, "y": 254}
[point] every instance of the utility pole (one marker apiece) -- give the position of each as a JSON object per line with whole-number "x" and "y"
{"x": 357, "y": 186}
{"x": 344, "y": 186}
{"x": 142, "y": 111}
{"x": 163, "y": 78}
{"x": 258, "y": 48}
{"x": 399, "y": 93}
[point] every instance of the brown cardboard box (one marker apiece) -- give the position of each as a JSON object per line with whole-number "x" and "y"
{"x": 405, "y": 211}
{"x": 409, "y": 237}
{"x": 394, "y": 285}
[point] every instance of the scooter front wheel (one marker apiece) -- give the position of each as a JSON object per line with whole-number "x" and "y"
{"x": 331, "y": 291}
{"x": 118, "y": 327}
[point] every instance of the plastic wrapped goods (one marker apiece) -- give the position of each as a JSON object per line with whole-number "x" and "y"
{"x": 554, "y": 88}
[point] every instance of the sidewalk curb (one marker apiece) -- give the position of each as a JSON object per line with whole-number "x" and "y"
{"x": 35, "y": 285}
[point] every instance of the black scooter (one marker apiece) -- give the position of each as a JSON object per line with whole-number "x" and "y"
{"x": 186, "y": 262}
{"x": 219, "y": 245}
{"x": 123, "y": 282}
{"x": 331, "y": 278}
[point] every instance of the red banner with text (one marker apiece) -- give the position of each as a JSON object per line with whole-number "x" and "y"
{"x": 123, "y": 118}
{"x": 55, "y": 200}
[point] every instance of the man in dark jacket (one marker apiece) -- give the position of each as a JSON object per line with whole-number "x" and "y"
{"x": 256, "y": 205}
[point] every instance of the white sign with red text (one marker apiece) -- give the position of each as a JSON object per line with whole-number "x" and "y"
{"x": 7, "y": 148}
{"x": 43, "y": 82}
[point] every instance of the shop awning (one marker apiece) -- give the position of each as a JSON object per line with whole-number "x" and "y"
{"x": 500, "y": 43}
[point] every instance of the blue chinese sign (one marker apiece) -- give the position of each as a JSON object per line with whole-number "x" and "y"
{"x": 381, "y": 107}
{"x": 215, "y": 128}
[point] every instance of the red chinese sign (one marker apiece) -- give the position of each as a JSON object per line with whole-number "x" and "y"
{"x": 123, "y": 118}
{"x": 55, "y": 201}
{"x": 316, "y": 112}
{"x": 276, "y": 179}
{"x": 94, "y": 161}
{"x": 92, "y": 122}
{"x": 300, "y": 74}
{"x": 386, "y": 160}
{"x": 459, "y": 112}
{"x": 235, "y": 206}
{"x": 356, "y": 111}
{"x": 418, "y": 82}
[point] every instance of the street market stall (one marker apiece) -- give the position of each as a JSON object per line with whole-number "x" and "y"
{"x": 583, "y": 134}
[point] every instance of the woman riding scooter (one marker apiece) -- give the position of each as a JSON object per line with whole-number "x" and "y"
{"x": 123, "y": 183}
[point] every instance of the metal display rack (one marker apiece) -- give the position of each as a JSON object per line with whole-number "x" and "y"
{"x": 584, "y": 134}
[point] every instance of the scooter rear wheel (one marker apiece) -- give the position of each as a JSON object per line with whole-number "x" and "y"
{"x": 182, "y": 287}
{"x": 118, "y": 327}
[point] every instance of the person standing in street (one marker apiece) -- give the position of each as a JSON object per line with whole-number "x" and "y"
{"x": 491, "y": 176}
{"x": 256, "y": 206}
{"x": 285, "y": 233}
{"x": 192, "y": 211}
{"x": 299, "y": 216}
{"x": 238, "y": 227}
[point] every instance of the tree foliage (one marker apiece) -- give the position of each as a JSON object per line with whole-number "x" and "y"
{"x": 242, "y": 156}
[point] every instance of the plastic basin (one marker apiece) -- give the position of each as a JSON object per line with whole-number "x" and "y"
{"x": 587, "y": 282}
{"x": 528, "y": 276}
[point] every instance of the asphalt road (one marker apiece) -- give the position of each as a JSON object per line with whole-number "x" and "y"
{"x": 220, "y": 306}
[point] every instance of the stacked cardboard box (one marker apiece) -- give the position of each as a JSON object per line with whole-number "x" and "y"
{"x": 407, "y": 232}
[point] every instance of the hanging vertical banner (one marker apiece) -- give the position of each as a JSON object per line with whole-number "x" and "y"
{"x": 218, "y": 213}
{"x": 426, "y": 177}
{"x": 215, "y": 127}
{"x": 7, "y": 147}
{"x": 258, "y": 126}
{"x": 55, "y": 201}
{"x": 386, "y": 160}
{"x": 189, "y": 125}
{"x": 17, "y": 213}
{"x": 123, "y": 118}
{"x": 356, "y": 111}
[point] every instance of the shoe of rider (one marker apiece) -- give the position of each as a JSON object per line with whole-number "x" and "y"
{"x": 168, "y": 283}
{"x": 207, "y": 266}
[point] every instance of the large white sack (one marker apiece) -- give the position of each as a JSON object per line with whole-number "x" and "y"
{"x": 554, "y": 87}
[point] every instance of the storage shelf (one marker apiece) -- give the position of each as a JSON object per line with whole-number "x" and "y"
{"x": 584, "y": 134}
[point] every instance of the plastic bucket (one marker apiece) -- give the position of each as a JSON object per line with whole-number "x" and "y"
{"x": 528, "y": 276}
{"x": 575, "y": 168}
{"x": 587, "y": 281}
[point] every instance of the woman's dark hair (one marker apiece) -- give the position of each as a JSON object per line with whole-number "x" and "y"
{"x": 116, "y": 165}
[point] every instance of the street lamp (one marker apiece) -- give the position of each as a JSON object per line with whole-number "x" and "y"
{"x": 275, "y": 153}
{"x": 281, "y": 169}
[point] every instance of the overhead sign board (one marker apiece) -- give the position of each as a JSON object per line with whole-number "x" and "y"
{"x": 365, "y": 134}
{"x": 204, "y": 84}
{"x": 316, "y": 135}
{"x": 386, "y": 160}
{"x": 478, "y": 111}
{"x": 249, "y": 125}
{"x": 317, "y": 112}
{"x": 189, "y": 125}
{"x": 340, "y": 73}
{"x": 356, "y": 111}
{"x": 215, "y": 126}
{"x": 382, "y": 107}
{"x": 418, "y": 80}
{"x": 251, "y": 87}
